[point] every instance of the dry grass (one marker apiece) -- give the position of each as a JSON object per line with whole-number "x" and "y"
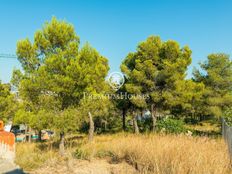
{"x": 205, "y": 127}
{"x": 165, "y": 154}
{"x": 160, "y": 154}
{"x": 30, "y": 156}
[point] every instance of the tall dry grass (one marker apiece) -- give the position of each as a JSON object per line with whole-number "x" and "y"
{"x": 29, "y": 156}
{"x": 159, "y": 154}
{"x": 163, "y": 154}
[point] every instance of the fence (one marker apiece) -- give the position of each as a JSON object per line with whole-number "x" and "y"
{"x": 227, "y": 135}
{"x": 7, "y": 144}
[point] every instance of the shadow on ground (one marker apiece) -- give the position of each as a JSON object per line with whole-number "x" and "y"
{"x": 16, "y": 171}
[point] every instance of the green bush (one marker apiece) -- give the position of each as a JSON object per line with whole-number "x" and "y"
{"x": 89, "y": 153}
{"x": 170, "y": 125}
{"x": 228, "y": 115}
{"x": 82, "y": 154}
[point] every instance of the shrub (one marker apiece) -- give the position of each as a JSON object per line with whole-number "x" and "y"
{"x": 170, "y": 125}
{"x": 82, "y": 154}
{"x": 228, "y": 115}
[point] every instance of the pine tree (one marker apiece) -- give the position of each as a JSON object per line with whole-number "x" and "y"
{"x": 216, "y": 74}
{"x": 56, "y": 70}
{"x": 7, "y": 103}
{"x": 156, "y": 69}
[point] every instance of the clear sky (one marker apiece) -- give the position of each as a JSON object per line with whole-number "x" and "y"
{"x": 115, "y": 27}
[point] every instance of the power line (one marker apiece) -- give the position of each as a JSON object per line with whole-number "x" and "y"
{"x": 7, "y": 56}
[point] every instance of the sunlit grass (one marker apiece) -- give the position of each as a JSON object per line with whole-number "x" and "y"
{"x": 164, "y": 154}
{"x": 153, "y": 153}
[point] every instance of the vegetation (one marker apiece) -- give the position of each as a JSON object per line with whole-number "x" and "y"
{"x": 228, "y": 115}
{"x": 157, "y": 69}
{"x": 56, "y": 76}
{"x": 171, "y": 126}
{"x": 217, "y": 78}
{"x": 7, "y": 102}
{"x": 63, "y": 87}
{"x": 164, "y": 154}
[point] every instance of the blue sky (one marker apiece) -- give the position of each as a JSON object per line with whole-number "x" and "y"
{"x": 115, "y": 27}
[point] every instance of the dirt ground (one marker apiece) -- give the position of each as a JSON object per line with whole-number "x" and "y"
{"x": 8, "y": 167}
{"x": 96, "y": 166}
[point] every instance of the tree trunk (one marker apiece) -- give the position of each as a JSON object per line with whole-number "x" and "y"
{"x": 124, "y": 119}
{"x": 29, "y": 134}
{"x": 61, "y": 146}
{"x": 135, "y": 123}
{"x": 40, "y": 135}
{"x": 104, "y": 124}
{"x": 91, "y": 127}
{"x": 154, "y": 118}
